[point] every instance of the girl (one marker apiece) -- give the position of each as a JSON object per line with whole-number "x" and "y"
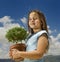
{"x": 37, "y": 43}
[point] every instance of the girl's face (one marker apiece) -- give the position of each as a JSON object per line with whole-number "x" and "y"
{"x": 34, "y": 21}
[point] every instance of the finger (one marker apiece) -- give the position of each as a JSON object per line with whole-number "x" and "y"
{"x": 14, "y": 50}
{"x": 10, "y": 54}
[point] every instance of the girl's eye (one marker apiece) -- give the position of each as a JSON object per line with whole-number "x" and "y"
{"x": 33, "y": 19}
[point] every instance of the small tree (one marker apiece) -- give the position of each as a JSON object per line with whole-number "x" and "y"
{"x": 16, "y": 34}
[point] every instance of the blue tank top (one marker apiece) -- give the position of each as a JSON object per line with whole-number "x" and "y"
{"x": 32, "y": 45}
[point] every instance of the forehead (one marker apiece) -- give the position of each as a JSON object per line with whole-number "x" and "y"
{"x": 33, "y": 14}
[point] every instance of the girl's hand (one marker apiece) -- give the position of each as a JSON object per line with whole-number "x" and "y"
{"x": 10, "y": 54}
{"x": 16, "y": 54}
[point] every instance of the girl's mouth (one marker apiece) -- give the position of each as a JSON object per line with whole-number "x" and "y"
{"x": 33, "y": 23}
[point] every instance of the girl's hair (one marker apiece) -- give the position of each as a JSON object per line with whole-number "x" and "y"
{"x": 42, "y": 19}
{"x": 43, "y": 25}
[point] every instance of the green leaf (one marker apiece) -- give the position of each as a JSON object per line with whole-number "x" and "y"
{"x": 16, "y": 34}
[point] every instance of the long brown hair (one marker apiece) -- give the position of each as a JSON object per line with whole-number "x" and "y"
{"x": 42, "y": 19}
{"x": 43, "y": 25}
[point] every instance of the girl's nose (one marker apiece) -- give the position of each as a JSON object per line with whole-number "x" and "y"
{"x": 33, "y": 20}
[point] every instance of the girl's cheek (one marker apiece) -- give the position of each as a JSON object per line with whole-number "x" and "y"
{"x": 37, "y": 22}
{"x": 29, "y": 23}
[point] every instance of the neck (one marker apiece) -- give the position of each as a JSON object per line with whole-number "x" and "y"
{"x": 36, "y": 30}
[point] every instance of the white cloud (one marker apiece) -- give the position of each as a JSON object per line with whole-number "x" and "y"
{"x": 4, "y": 44}
{"x": 51, "y": 31}
{"x": 4, "y": 50}
{"x": 5, "y": 28}
{"x": 0, "y": 51}
{"x": 24, "y": 20}
{"x": 11, "y": 25}
{"x": 4, "y": 54}
{"x": 54, "y": 48}
{"x": 6, "y": 19}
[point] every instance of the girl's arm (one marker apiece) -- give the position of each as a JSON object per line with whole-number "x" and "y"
{"x": 36, "y": 54}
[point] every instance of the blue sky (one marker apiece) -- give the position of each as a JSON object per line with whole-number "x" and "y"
{"x": 20, "y": 8}
{"x": 15, "y": 12}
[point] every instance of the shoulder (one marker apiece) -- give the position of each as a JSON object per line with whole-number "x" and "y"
{"x": 43, "y": 39}
{"x": 43, "y": 33}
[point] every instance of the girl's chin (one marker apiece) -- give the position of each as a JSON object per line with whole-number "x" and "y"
{"x": 32, "y": 27}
